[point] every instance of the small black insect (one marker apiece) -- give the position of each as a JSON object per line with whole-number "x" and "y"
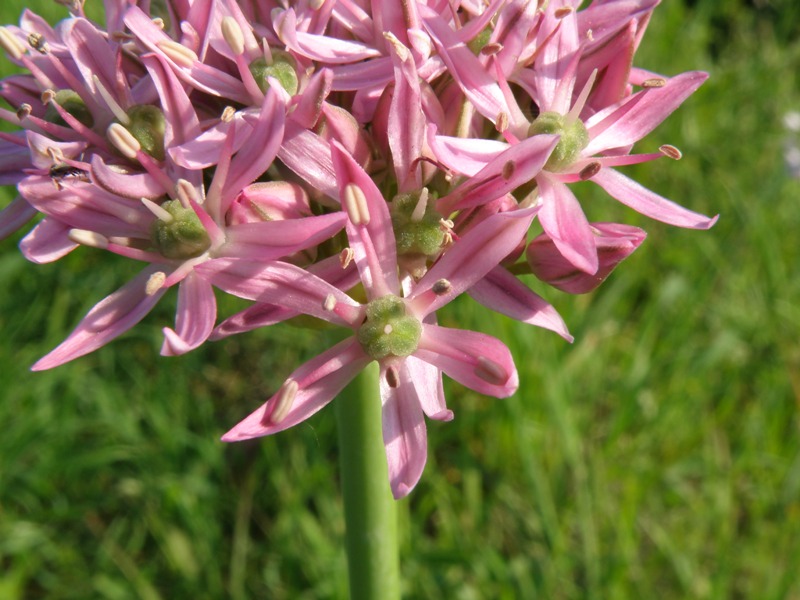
{"x": 62, "y": 172}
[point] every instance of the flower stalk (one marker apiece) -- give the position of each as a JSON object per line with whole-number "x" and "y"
{"x": 370, "y": 511}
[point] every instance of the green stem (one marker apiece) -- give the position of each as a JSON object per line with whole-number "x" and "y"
{"x": 370, "y": 511}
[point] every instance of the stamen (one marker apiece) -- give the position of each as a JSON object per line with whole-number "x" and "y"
{"x": 508, "y": 170}
{"x": 392, "y": 377}
{"x": 329, "y": 303}
{"x": 228, "y": 114}
{"x": 575, "y": 112}
{"x": 501, "y": 123}
{"x": 48, "y": 96}
{"x": 589, "y": 171}
{"x": 655, "y": 82}
{"x": 24, "y": 111}
{"x": 490, "y": 371}
{"x": 123, "y": 140}
{"x": 316, "y": 4}
{"x": 355, "y": 203}
{"x": 88, "y": 238}
{"x": 422, "y": 204}
{"x": 441, "y": 287}
{"x": 402, "y": 51}
{"x": 233, "y": 35}
{"x": 118, "y": 111}
{"x": 562, "y": 12}
{"x": 346, "y": 257}
{"x": 154, "y": 282}
{"x": 159, "y": 22}
{"x": 671, "y": 152}
{"x": 12, "y": 45}
{"x": 178, "y": 53}
{"x": 279, "y": 408}
{"x": 160, "y": 213}
{"x": 37, "y": 42}
{"x": 187, "y": 193}
{"x": 491, "y": 49}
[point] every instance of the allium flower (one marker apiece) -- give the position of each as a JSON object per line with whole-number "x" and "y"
{"x": 396, "y": 330}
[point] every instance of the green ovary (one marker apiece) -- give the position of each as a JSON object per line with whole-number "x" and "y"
{"x": 148, "y": 125}
{"x": 574, "y": 138}
{"x": 283, "y": 68}
{"x": 421, "y": 236}
{"x": 73, "y": 104}
{"x": 184, "y": 236}
{"x": 388, "y": 329}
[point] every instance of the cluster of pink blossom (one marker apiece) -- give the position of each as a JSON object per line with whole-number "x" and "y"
{"x": 305, "y": 154}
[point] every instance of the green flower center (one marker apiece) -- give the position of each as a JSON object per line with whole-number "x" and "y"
{"x": 73, "y": 104}
{"x": 388, "y": 329}
{"x": 183, "y": 236}
{"x": 574, "y": 138}
{"x": 147, "y": 124}
{"x": 416, "y": 225}
{"x": 283, "y": 68}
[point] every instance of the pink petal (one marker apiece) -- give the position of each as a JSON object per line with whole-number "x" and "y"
{"x": 476, "y": 360}
{"x": 281, "y": 284}
{"x": 427, "y": 380}
{"x": 309, "y": 156}
{"x": 47, "y": 242}
{"x": 648, "y": 203}
{"x": 470, "y": 258}
{"x": 373, "y": 243}
{"x": 109, "y": 318}
{"x": 404, "y": 432}
{"x": 563, "y": 220}
{"x": 195, "y": 316}
{"x": 14, "y": 216}
{"x": 319, "y": 381}
{"x": 182, "y": 123}
{"x": 466, "y": 156}
{"x": 623, "y": 126}
{"x": 128, "y": 185}
{"x": 322, "y": 48}
{"x": 271, "y": 240}
{"x": 504, "y": 293}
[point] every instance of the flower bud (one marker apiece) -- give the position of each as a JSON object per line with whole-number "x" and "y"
{"x": 614, "y": 243}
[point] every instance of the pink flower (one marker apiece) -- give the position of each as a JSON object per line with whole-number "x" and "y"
{"x": 396, "y": 330}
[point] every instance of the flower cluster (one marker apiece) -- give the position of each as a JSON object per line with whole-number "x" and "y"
{"x": 363, "y": 162}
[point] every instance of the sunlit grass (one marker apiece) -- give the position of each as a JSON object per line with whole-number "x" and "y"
{"x": 656, "y": 457}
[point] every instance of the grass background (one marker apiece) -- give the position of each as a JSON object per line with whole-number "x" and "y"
{"x": 658, "y": 456}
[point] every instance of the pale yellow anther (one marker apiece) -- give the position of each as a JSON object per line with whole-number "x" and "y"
{"x": 227, "y": 114}
{"x": 671, "y": 152}
{"x": 316, "y": 4}
{"x": 392, "y": 377}
{"x": 88, "y": 238}
{"x": 277, "y": 410}
{"x": 48, "y": 96}
{"x": 355, "y": 204}
{"x": 123, "y": 140}
{"x": 155, "y": 282}
{"x": 655, "y": 82}
{"x": 187, "y": 193}
{"x": 178, "y": 53}
{"x": 160, "y": 213}
{"x": 399, "y": 48}
{"x": 346, "y": 257}
{"x": 490, "y": 371}
{"x": 422, "y": 205}
{"x": 38, "y": 43}
{"x": 159, "y": 22}
{"x": 24, "y": 111}
{"x": 110, "y": 101}
{"x": 589, "y": 171}
{"x": 233, "y": 35}
{"x": 329, "y": 303}
{"x": 11, "y": 44}
{"x": 501, "y": 123}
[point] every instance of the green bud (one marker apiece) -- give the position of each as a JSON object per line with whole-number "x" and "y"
{"x": 416, "y": 231}
{"x": 283, "y": 68}
{"x": 388, "y": 329}
{"x": 184, "y": 236}
{"x": 574, "y": 138}
{"x": 71, "y": 102}
{"x": 147, "y": 125}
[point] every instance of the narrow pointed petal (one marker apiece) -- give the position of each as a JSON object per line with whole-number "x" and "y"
{"x": 196, "y": 313}
{"x": 563, "y": 220}
{"x": 404, "y": 432}
{"x": 327, "y": 50}
{"x": 182, "y": 124}
{"x": 430, "y": 391}
{"x": 648, "y": 203}
{"x": 373, "y": 242}
{"x": 271, "y": 240}
{"x": 127, "y": 185}
{"x": 109, "y": 318}
{"x": 471, "y": 258}
{"x": 281, "y": 284}
{"x": 319, "y": 381}
{"x": 309, "y": 156}
{"x": 47, "y": 242}
{"x": 504, "y": 293}
{"x": 14, "y": 216}
{"x": 621, "y": 127}
{"x": 465, "y": 156}
{"x": 476, "y": 360}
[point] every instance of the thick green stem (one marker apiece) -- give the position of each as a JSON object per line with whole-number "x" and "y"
{"x": 370, "y": 511}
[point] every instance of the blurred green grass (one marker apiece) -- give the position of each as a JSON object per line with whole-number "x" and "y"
{"x": 658, "y": 456}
